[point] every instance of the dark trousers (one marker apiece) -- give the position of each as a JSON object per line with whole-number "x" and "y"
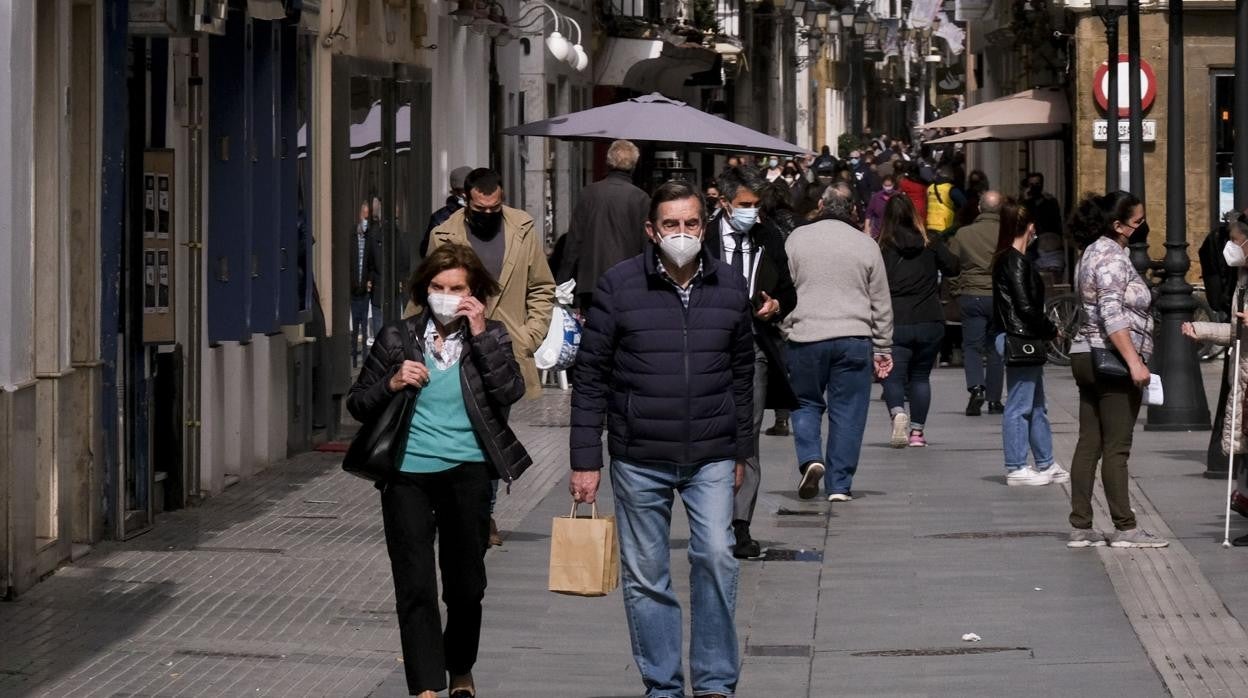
{"x": 915, "y": 348}
{"x": 454, "y": 505}
{"x": 374, "y": 324}
{"x": 978, "y": 346}
{"x": 1108, "y": 408}
{"x": 359, "y": 326}
{"x": 747, "y": 497}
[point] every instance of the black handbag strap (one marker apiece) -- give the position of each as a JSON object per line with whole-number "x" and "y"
{"x": 404, "y": 334}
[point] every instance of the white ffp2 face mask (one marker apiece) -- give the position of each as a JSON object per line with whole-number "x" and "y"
{"x": 681, "y": 248}
{"x": 444, "y": 306}
{"x": 1233, "y": 254}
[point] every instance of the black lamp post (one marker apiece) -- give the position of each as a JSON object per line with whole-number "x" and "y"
{"x": 1135, "y": 100}
{"x": 1174, "y": 359}
{"x": 852, "y": 60}
{"x": 1109, "y": 11}
{"x": 1135, "y": 141}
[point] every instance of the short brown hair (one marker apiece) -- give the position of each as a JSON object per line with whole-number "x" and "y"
{"x": 452, "y": 256}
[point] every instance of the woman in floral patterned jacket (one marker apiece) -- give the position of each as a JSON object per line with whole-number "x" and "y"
{"x": 1117, "y": 322}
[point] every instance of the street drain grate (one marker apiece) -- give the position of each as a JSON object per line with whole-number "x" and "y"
{"x": 939, "y": 651}
{"x": 781, "y": 555}
{"x": 801, "y": 523}
{"x": 800, "y": 512}
{"x": 778, "y": 650}
{"x": 229, "y": 549}
{"x": 227, "y": 655}
{"x": 997, "y": 534}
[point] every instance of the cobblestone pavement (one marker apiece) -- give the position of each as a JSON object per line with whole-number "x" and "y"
{"x": 281, "y": 586}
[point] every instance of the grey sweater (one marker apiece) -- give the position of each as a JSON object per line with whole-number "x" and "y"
{"x": 842, "y": 286}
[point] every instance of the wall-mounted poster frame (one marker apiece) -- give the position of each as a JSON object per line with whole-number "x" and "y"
{"x": 159, "y": 314}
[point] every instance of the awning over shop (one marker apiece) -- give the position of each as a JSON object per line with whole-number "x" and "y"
{"x": 1039, "y": 107}
{"x": 651, "y": 65}
{"x": 985, "y": 134}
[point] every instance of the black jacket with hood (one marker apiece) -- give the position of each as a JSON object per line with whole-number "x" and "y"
{"x": 914, "y": 273}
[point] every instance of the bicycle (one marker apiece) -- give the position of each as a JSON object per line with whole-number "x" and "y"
{"x": 1065, "y": 312}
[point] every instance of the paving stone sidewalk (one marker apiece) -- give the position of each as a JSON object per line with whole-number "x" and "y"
{"x": 281, "y": 585}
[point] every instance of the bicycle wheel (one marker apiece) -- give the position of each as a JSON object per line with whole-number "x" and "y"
{"x": 1063, "y": 310}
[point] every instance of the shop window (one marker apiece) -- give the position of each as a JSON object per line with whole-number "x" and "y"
{"x": 382, "y": 157}
{"x": 1223, "y": 144}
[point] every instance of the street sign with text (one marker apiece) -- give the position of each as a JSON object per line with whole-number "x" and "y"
{"x": 1100, "y": 130}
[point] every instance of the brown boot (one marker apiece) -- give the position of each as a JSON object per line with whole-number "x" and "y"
{"x": 495, "y": 538}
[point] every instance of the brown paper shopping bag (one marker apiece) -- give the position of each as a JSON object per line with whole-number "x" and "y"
{"x": 584, "y": 554}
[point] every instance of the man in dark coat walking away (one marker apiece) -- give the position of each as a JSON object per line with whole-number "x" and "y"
{"x": 365, "y": 279}
{"x": 667, "y": 362}
{"x": 454, "y": 202}
{"x": 755, "y": 252}
{"x": 608, "y": 224}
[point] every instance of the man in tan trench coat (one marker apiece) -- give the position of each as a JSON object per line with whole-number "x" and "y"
{"x": 504, "y": 239}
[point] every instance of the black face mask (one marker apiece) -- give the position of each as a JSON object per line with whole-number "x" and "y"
{"x": 1140, "y": 234}
{"x": 1035, "y": 190}
{"x": 484, "y": 225}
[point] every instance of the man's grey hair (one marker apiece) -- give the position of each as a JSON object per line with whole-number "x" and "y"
{"x": 836, "y": 202}
{"x": 990, "y": 202}
{"x": 732, "y": 181}
{"x": 623, "y": 156}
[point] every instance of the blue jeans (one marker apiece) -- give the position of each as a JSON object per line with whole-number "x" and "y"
{"x": 1025, "y": 424}
{"x": 359, "y": 325}
{"x": 375, "y": 322}
{"x": 915, "y": 348}
{"x": 833, "y": 376}
{"x": 976, "y": 344}
{"x": 643, "y": 508}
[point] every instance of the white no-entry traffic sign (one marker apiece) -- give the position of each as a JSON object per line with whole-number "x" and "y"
{"x": 1148, "y": 85}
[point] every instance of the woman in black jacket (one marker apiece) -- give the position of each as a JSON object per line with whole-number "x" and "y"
{"x": 1019, "y": 319}
{"x": 465, "y": 377}
{"x": 914, "y": 265}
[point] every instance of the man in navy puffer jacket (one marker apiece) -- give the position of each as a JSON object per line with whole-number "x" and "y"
{"x": 668, "y": 359}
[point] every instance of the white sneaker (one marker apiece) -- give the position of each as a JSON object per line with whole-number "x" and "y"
{"x": 1060, "y": 475}
{"x": 1028, "y": 476}
{"x": 901, "y": 431}
{"x": 840, "y": 497}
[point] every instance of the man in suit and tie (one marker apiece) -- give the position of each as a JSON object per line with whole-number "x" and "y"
{"x": 756, "y": 252}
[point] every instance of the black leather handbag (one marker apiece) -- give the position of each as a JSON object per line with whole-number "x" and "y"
{"x": 378, "y": 446}
{"x": 1107, "y": 362}
{"x": 1024, "y": 351}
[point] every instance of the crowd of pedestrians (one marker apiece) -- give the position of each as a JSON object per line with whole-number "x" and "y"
{"x": 792, "y": 285}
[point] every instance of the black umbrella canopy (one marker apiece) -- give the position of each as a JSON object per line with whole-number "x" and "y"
{"x": 659, "y": 120}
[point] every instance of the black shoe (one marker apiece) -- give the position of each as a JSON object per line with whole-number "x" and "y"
{"x": 746, "y": 548}
{"x": 462, "y": 693}
{"x": 974, "y": 408}
{"x": 780, "y": 428}
{"x": 996, "y": 408}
